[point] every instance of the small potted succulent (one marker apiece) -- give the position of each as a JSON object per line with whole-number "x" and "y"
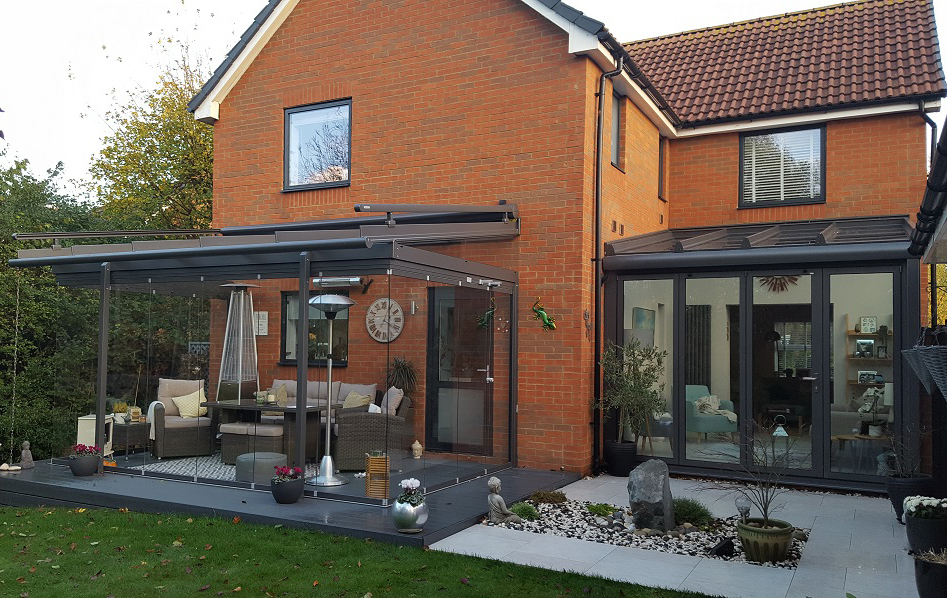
{"x": 287, "y": 485}
{"x": 84, "y": 460}
{"x": 926, "y": 520}
{"x": 409, "y": 511}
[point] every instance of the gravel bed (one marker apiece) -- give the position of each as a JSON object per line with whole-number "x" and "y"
{"x": 572, "y": 519}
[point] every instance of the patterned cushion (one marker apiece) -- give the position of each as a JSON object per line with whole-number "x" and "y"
{"x": 189, "y": 404}
{"x": 169, "y": 388}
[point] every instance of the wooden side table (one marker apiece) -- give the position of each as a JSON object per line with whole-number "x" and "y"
{"x": 377, "y": 480}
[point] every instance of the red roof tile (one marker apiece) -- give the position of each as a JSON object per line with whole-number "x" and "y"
{"x": 844, "y": 55}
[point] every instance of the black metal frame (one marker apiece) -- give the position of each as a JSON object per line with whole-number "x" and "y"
{"x": 768, "y": 204}
{"x": 287, "y": 113}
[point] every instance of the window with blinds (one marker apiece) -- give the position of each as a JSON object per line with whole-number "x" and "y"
{"x": 794, "y": 347}
{"x": 782, "y": 168}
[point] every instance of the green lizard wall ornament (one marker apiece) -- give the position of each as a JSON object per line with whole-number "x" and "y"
{"x": 549, "y": 322}
{"x": 484, "y": 320}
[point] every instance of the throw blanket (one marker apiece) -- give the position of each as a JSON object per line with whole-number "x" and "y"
{"x": 151, "y": 418}
{"x": 711, "y": 404}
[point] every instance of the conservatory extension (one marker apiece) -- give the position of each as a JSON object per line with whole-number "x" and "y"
{"x": 214, "y": 352}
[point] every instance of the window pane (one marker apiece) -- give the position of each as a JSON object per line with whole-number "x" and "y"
{"x": 318, "y": 332}
{"x": 318, "y": 145}
{"x": 782, "y": 166}
{"x": 616, "y": 130}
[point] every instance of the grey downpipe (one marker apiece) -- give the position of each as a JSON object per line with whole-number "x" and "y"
{"x": 597, "y": 277}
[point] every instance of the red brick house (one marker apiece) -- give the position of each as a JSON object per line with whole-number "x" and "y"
{"x": 797, "y": 132}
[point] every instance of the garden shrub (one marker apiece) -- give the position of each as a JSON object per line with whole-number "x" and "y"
{"x": 688, "y": 510}
{"x": 552, "y": 498}
{"x": 602, "y": 509}
{"x": 526, "y": 511}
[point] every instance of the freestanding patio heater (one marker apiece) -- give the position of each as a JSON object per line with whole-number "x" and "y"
{"x": 330, "y": 305}
{"x": 238, "y": 359}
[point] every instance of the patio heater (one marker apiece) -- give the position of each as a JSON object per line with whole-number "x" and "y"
{"x": 238, "y": 359}
{"x": 331, "y": 306}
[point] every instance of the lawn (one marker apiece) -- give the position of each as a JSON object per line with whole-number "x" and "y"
{"x": 80, "y": 552}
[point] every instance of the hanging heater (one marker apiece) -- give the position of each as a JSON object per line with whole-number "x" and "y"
{"x": 239, "y": 378}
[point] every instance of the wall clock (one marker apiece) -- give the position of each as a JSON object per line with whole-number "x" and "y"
{"x": 384, "y": 320}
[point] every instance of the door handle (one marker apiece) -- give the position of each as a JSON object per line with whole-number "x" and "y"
{"x": 489, "y": 380}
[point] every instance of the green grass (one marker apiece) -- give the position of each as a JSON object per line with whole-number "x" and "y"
{"x": 75, "y": 553}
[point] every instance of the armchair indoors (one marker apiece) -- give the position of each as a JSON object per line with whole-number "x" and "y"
{"x": 706, "y": 423}
{"x": 175, "y": 435}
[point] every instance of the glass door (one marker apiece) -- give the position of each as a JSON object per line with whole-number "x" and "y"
{"x": 784, "y": 385}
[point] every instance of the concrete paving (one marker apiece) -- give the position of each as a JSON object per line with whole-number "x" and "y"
{"x": 856, "y": 545}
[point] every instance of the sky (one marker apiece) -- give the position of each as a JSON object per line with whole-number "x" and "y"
{"x": 65, "y": 63}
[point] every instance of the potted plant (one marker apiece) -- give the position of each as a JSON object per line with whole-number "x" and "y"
{"x": 926, "y": 520}
{"x": 930, "y": 573}
{"x": 287, "y": 485}
{"x": 84, "y": 460}
{"x": 633, "y": 387}
{"x": 403, "y": 375}
{"x": 409, "y": 511}
{"x": 904, "y": 477}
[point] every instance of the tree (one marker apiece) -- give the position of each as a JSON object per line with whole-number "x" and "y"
{"x": 156, "y": 170}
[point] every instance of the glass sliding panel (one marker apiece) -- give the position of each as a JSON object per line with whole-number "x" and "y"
{"x": 648, "y": 316}
{"x": 711, "y": 354}
{"x": 862, "y": 392}
{"x": 782, "y": 389}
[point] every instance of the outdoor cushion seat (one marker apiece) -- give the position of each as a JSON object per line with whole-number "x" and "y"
{"x": 704, "y": 423}
{"x": 360, "y": 432}
{"x": 239, "y": 438}
{"x": 178, "y": 422}
{"x": 176, "y": 436}
{"x": 258, "y": 467}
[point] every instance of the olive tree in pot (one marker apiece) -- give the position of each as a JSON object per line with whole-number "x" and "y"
{"x": 902, "y": 463}
{"x": 633, "y": 387}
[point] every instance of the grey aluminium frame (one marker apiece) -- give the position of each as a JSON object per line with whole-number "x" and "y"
{"x": 287, "y": 114}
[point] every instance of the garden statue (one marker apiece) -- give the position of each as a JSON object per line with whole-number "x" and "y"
{"x": 417, "y": 449}
{"x": 498, "y": 511}
{"x": 26, "y": 457}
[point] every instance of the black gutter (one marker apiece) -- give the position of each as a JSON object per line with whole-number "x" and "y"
{"x": 933, "y": 268}
{"x": 800, "y": 255}
{"x": 353, "y": 223}
{"x": 192, "y": 252}
{"x": 597, "y": 263}
{"x": 933, "y": 203}
{"x": 618, "y": 50}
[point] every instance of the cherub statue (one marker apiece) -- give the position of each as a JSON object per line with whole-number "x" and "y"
{"x": 498, "y": 511}
{"x": 26, "y": 456}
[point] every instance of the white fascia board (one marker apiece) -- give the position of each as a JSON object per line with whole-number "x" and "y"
{"x": 775, "y": 122}
{"x": 209, "y": 109}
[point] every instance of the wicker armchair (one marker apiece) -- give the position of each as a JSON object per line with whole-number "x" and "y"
{"x": 177, "y": 436}
{"x": 360, "y": 432}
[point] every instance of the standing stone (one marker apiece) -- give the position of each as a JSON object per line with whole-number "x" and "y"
{"x": 649, "y": 496}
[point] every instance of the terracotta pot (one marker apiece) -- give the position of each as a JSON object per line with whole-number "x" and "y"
{"x": 926, "y": 534}
{"x": 765, "y": 545}
{"x": 286, "y": 493}
{"x": 621, "y": 457}
{"x": 84, "y": 465}
{"x": 409, "y": 519}
{"x": 930, "y": 579}
{"x": 900, "y": 488}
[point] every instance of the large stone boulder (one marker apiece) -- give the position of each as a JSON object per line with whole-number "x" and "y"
{"x": 649, "y": 496}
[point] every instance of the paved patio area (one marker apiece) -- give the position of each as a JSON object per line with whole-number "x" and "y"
{"x": 855, "y": 546}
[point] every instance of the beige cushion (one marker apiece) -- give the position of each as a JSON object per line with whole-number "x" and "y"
{"x": 237, "y": 428}
{"x": 392, "y": 400}
{"x": 189, "y": 405}
{"x": 169, "y": 388}
{"x": 362, "y": 389}
{"x": 290, "y": 387}
{"x": 282, "y": 395}
{"x": 317, "y": 391}
{"x": 356, "y": 400}
{"x": 178, "y": 422}
{"x": 264, "y": 430}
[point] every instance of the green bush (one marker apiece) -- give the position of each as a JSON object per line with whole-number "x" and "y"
{"x": 602, "y": 509}
{"x": 688, "y": 510}
{"x": 551, "y": 498}
{"x": 526, "y": 511}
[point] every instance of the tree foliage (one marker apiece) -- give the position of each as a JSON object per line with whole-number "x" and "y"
{"x": 156, "y": 170}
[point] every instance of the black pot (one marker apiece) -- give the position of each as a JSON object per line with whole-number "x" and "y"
{"x": 930, "y": 578}
{"x": 620, "y": 457}
{"x": 84, "y": 465}
{"x": 900, "y": 488}
{"x": 289, "y": 492}
{"x": 926, "y": 534}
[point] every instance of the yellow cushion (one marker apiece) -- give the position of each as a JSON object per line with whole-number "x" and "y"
{"x": 282, "y": 396}
{"x": 356, "y": 400}
{"x": 189, "y": 405}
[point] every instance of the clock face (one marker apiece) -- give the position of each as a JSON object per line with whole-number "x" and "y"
{"x": 384, "y": 320}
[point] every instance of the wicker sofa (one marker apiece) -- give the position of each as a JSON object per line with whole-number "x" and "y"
{"x": 177, "y": 436}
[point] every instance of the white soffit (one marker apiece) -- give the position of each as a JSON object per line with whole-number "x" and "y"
{"x": 209, "y": 108}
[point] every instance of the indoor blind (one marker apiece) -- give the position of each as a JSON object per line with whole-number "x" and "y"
{"x": 782, "y": 166}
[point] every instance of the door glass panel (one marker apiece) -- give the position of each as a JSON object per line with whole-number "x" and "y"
{"x": 862, "y": 388}
{"x": 711, "y": 354}
{"x": 648, "y": 317}
{"x": 782, "y": 384}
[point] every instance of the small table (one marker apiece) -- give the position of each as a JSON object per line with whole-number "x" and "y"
{"x": 858, "y": 445}
{"x": 133, "y": 434}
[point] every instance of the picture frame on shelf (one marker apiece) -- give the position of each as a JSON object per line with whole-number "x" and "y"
{"x": 868, "y": 324}
{"x": 866, "y": 376}
{"x": 864, "y": 347}
{"x": 882, "y": 352}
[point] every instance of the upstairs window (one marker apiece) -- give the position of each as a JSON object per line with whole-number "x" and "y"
{"x": 317, "y": 144}
{"x": 782, "y": 168}
{"x": 616, "y": 132}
